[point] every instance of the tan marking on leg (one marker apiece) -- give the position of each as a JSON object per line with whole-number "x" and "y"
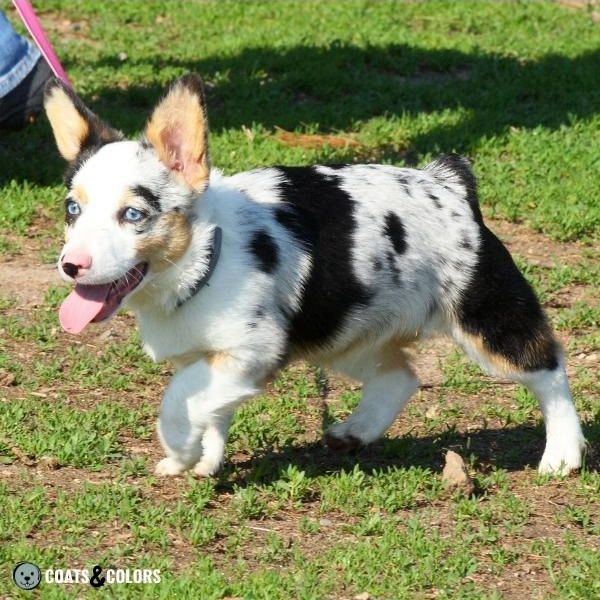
{"x": 392, "y": 355}
{"x": 537, "y": 346}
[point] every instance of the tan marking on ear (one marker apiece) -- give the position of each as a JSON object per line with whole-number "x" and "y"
{"x": 69, "y": 127}
{"x": 178, "y": 130}
{"x": 80, "y": 195}
{"x": 167, "y": 242}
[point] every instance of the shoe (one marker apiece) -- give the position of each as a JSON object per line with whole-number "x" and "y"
{"x": 19, "y": 106}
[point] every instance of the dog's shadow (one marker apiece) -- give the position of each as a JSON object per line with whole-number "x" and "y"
{"x": 512, "y": 449}
{"x": 332, "y": 88}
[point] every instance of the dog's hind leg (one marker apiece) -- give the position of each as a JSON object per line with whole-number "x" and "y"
{"x": 501, "y": 326}
{"x": 388, "y": 384}
{"x": 195, "y": 416}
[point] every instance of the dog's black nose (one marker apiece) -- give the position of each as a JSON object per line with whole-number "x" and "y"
{"x": 70, "y": 269}
{"x": 27, "y": 578}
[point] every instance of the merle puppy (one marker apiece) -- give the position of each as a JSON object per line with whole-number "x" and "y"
{"x": 233, "y": 277}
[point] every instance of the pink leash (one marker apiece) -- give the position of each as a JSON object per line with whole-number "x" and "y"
{"x": 34, "y": 27}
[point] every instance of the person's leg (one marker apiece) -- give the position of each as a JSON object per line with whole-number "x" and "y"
{"x": 17, "y": 57}
{"x": 23, "y": 74}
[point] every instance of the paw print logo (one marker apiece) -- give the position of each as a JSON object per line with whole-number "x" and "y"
{"x": 27, "y": 576}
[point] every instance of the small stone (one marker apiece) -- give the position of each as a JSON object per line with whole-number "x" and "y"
{"x": 432, "y": 412}
{"x": 324, "y": 522}
{"x": 49, "y": 462}
{"x": 7, "y": 378}
{"x": 123, "y": 56}
{"x": 454, "y": 475}
{"x": 362, "y": 596}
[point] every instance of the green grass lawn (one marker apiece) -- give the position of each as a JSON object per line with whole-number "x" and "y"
{"x": 514, "y": 86}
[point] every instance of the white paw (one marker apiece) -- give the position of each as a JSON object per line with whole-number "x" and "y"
{"x": 560, "y": 459}
{"x": 346, "y": 436}
{"x": 207, "y": 468}
{"x": 169, "y": 466}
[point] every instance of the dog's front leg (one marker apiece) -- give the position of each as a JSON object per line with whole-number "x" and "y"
{"x": 195, "y": 415}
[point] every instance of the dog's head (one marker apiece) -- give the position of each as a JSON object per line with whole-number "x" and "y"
{"x": 128, "y": 204}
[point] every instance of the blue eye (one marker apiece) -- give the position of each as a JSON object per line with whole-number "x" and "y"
{"x": 73, "y": 209}
{"x": 133, "y": 215}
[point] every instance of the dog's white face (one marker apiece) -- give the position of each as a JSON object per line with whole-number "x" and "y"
{"x": 127, "y": 209}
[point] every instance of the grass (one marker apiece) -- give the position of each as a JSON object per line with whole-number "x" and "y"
{"x": 516, "y": 87}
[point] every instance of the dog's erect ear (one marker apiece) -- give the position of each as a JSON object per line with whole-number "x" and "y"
{"x": 178, "y": 130}
{"x": 75, "y": 126}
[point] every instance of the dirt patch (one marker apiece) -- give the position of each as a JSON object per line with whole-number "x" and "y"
{"x": 26, "y": 280}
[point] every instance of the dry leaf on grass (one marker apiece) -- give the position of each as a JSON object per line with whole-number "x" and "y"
{"x": 307, "y": 140}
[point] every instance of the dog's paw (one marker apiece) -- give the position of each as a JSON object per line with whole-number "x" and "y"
{"x": 169, "y": 467}
{"x": 342, "y": 442}
{"x": 560, "y": 460}
{"x": 207, "y": 468}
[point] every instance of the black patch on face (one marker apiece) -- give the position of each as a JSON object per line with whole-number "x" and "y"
{"x": 320, "y": 215}
{"x": 501, "y": 307}
{"x": 395, "y": 232}
{"x": 148, "y": 195}
{"x": 265, "y": 250}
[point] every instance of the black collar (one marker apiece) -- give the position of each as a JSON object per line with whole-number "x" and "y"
{"x": 213, "y": 257}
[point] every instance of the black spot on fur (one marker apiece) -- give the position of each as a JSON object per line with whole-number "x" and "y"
{"x": 501, "y": 307}
{"x": 435, "y": 199}
{"x": 377, "y": 266}
{"x": 405, "y": 184}
{"x": 338, "y": 166}
{"x": 148, "y": 195}
{"x": 394, "y": 230}
{"x": 320, "y": 215}
{"x": 264, "y": 248}
{"x": 394, "y": 270}
{"x": 301, "y": 224}
{"x": 455, "y": 215}
{"x": 461, "y": 167}
{"x": 465, "y": 244}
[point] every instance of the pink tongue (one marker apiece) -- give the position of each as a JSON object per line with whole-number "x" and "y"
{"x": 82, "y": 305}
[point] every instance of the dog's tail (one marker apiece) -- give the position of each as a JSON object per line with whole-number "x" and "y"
{"x": 456, "y": 169}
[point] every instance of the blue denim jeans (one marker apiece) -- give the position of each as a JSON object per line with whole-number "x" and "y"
{"x": 17, "y": 57}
